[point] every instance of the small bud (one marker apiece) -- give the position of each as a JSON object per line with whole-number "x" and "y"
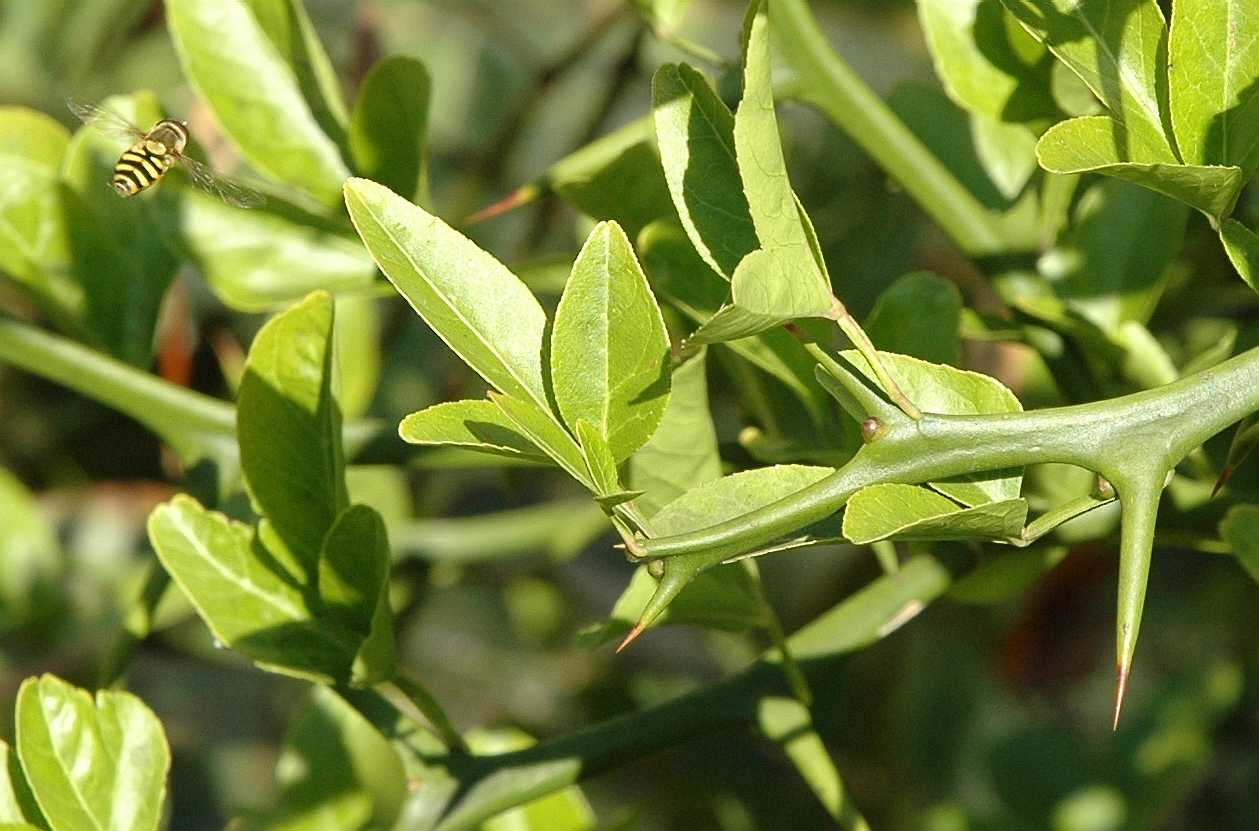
{"x": 655, "y": 568}
{"x": 1103, "y": 488}
{"x": 871, "y": 429}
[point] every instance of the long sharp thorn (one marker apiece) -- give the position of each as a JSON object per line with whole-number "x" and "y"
{"x": 513, "y": 200}
{"x": 1226, "y": 472}
{"x": 1121, "y": 689}
{"x": 633, "y": 633}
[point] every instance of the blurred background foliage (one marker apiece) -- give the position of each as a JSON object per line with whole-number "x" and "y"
{"x": 987, "y": 712}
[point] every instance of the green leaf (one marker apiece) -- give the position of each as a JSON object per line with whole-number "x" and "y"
{"x": 599, "y": 461}
{"x": 266, "y": 257}
{"x": 1007, "y": 152}
{"x": 31, "y": 557}
{"x": 288, "y": 27}
{"x": 32, "y": 135}
{"x": 91, "y": 764}
{"x": 246, "y": 597}
{"x": 479, "y": 308}
{"x": 354, "y": 589}
{"x": 17, "y": 803}
{"x": 1111, "y": 266}
{"x": 909, "y": 512}
{"x": 119, "y": 256}
{"x": 1114, "y": 46}
{"x": 336, "y": 771}
{"x": 389, "y": 128}
{"x": 475, "y": 425}
{"x": 1242, "y": 246}
{"x": 950, "y": 391}
{"x": 919, "y": 315}
{"x": 261, "y": 70}
{"x": 357, "y": 337}
{"x": 695, "y": 133}
{"x": 989, "y": 64}
{"x": 609, "y": 349}
{"x": 35, "y": 245}
{"x": 683, "y": 452}
{"x": 681, "y": 276}
{"x": 1213, "y": 80}
{"x": 1098, "y": 143}
{"x": 785, "y": 280}
{"x": 289, "y": 428}
{"x": 541, "y": 429}
{"x": 1240, "y": 529}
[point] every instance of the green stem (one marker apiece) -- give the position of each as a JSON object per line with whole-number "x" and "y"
{"x": 1123, "y": 439}
{"x": 416, "y": 703}
{"x": 488, "y": 785}
{"x": 829, "y": 84}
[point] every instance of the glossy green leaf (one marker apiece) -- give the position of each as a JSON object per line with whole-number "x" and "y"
{"x": 35, "y": 245}
{"x": 609, "y": 349}
{"x": 475, "y": 425}
{"x": 1111, "y": 264}
{"x": 281, "y": 118}
{"x": 354, "y": 589}
{"x": 918, "y": 315}
{"x": 683, "y": 452}
{"x": 663, "y": 14}
{"x": 336, "y": 771}
{"x": 988, "y": 63}
{"x": 288, "y": 425}
{"x": 788, "y": 722}
{"x": 560, "y": 529}
{"x": 1114, "y": 46}
{"x": 1242, "y": 245}
{"x": 1213, "y": 80}
{"x": 947, "y": 390}
{"x": 478, "y": 307}
{"x": 119, "y": 257}
{"x": 31, "y": 557}
{"x": 695, "y": 134}
{"x": 785, "y": 280}
{"x": 247, "y": 598}
{"x": 389, "y": 127}
{"x": 91, "y": 764}
{"x": 1240, "y": 529}
{"x": 266, "y": 257}
{"x": 542, "y": 430}
{"x": 909, "y": 512}
{"x": 1099, "y": 143}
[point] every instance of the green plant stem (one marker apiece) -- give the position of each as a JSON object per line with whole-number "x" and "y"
{"x": 1131, "y": 439}
{"x": 829, "y": 84}
{"x": 190, "y": 421}
{"x": 488, "y": 785}
{"x": 417, "y": 704}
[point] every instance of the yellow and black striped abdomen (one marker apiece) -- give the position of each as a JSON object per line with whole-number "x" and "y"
{"x": 141, "y": 166}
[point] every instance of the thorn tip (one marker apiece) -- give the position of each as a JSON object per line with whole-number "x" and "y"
{"x": 633, "y": 634}
{"x": 1121, "y": 689}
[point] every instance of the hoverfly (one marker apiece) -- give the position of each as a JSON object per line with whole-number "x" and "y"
{"x": 154, "y": 152}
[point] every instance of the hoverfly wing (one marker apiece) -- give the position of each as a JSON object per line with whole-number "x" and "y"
{"x": 230, "y": 192}
{"x": 105, "y": 120}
